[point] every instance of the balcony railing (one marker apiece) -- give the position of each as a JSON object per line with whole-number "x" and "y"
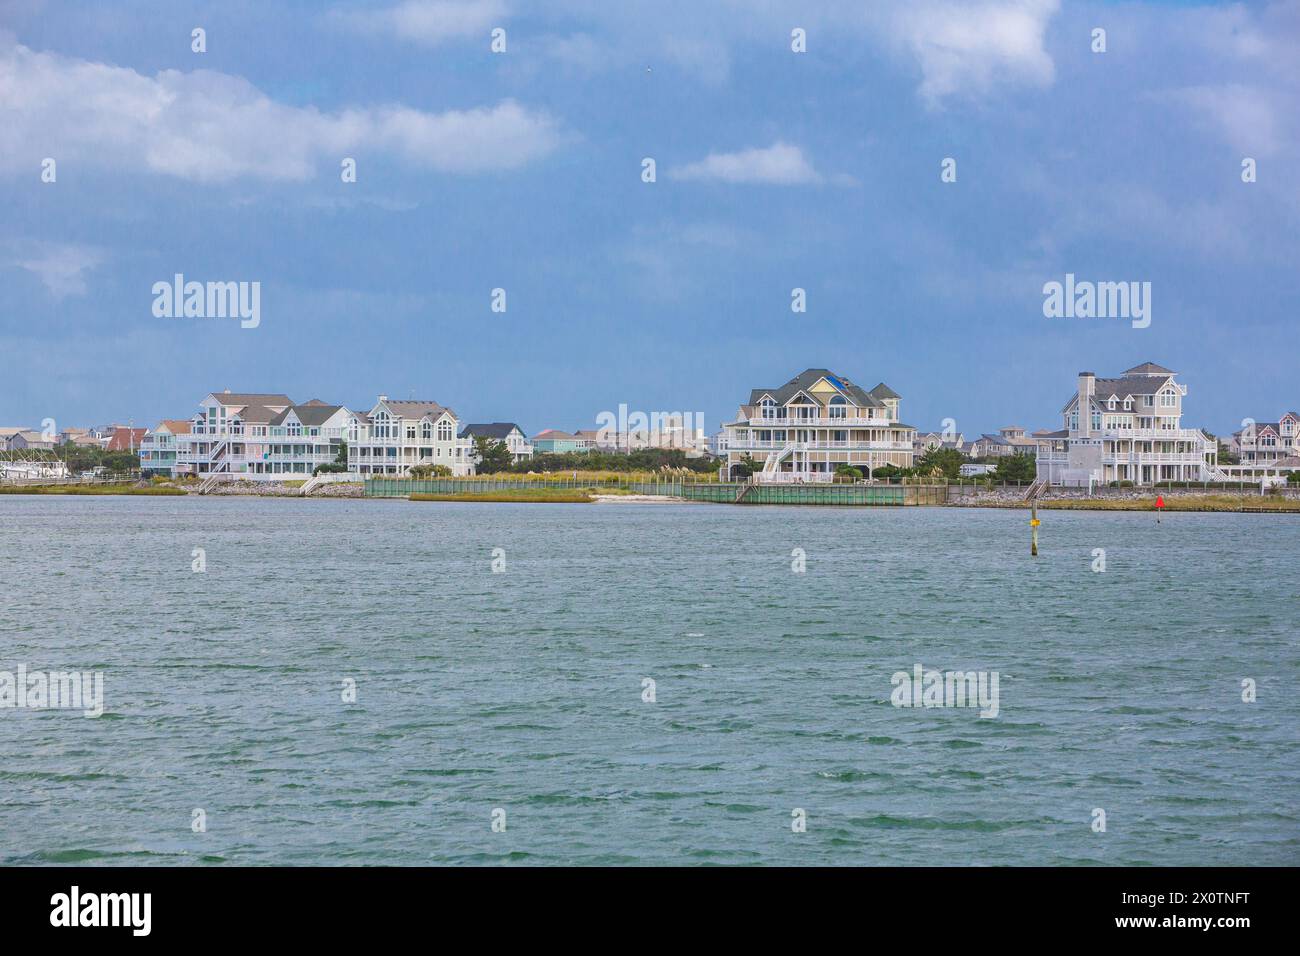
{"x": 740, "y": 444}
{"x": 818, "y": 422}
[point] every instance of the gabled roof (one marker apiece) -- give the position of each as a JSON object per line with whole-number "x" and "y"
{"x": 553, "y": 433}
{"x": 177, "y": 426}
{"x": 883, "y": 391}
{"x": 258, "y": 415}
{"x": 123, "y": 438}
{"x": 497, "y": 430}
{"x": 1121, "y": 388}
{"x": 809, "y": 377}
{"x": 416, "y": 409}
{"x": 313, "y": 414}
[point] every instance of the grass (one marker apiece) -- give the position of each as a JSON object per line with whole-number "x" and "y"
{"x": 88, "y": 489}
{"x": 1174, "y": 503}
{"x": 548, "y": 495}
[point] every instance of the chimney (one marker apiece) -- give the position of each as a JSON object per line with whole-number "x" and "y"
{"x": 1087, "y": 386}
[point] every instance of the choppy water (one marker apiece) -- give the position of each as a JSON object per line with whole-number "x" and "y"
{"x": 522, "y": 690}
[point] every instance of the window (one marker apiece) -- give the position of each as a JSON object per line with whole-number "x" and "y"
{"x": 1168, "y": 400}
{"x": 838, "y": 407}
{"x": 410, "y": 433}
{"x": 444, "y": 431}
{"x": 426, "y": 431}
{"x": 767, "y": 408}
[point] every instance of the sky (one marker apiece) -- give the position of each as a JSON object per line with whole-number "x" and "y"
{"x": 523, "y": 170}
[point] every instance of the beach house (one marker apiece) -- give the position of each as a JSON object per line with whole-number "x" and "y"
{"x": 805, "y": 429}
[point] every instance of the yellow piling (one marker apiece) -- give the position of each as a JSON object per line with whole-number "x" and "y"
{"x": 1033, "y": 528}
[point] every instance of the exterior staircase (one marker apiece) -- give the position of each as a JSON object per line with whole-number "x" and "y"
{"x": 772, "y": 467}
{"x": 1036, "y": 489}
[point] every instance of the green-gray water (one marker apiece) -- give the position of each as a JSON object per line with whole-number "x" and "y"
{"x": 523, "y": 689}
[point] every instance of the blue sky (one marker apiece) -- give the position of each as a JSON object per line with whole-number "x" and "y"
{"x": 522, "y": 170}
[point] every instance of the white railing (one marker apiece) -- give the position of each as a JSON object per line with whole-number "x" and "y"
{"x": 818, "y": 422}
{"x": 822, "y": 445}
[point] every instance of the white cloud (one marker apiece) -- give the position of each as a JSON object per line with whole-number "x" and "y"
{"x": 780, "y": 164}
{"x": 968, "y": 49}
{"x": 59, "y": 266}
{"x": 211, "y": 127}
{"x": 429, "y": 22}
{"x": 1246, "y": 117}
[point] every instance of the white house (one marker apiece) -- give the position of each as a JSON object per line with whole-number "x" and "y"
{"x": 395, "y": 436}
{"x": 262, "y": 437}
{"x": 1126, "y": 429}
{"x": 1263, "y": 443}
{"x": 803, "y": 430}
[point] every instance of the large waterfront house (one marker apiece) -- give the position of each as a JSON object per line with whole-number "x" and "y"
{"x": 258, "y": 436}
{"x": 1265, "y": 443}
{"x": 1126, "y": 429}
{"x": 395, "y": 436}
{"x": 516, "y": 441}
{"x": 803, "y": 430}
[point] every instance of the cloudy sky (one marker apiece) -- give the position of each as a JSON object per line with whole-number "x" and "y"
{"x": 522, "y": 170}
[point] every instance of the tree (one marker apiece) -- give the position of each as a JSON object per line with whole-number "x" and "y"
{"x": 890, "y": 471}
{"x": 1015, "y": 468}
{"x": 342, "y": 457}
{"x": 847, "y": 471}
{"x": 745, "y": 467}
{"x": 493, "y": 456}
{"x": 941, "y": 463}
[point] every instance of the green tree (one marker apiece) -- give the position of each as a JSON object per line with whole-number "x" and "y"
{"x": 745, "y": 467}
{"x": 940, "y": 463}
{"x": 847, "y": 471}
{"x": 493, "y": 456}
{"x": 1015, "y": 468}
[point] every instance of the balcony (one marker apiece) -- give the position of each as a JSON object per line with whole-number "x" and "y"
{"x": 756, "y": 444}
{"x": 819, "y": 422}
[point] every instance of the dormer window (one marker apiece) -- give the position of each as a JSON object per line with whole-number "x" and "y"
{"x": 1111, "y": 404}
{"x": 767, "y": 408}
{"x": 838, "y": 407}
{"x": 1128, "y": 404}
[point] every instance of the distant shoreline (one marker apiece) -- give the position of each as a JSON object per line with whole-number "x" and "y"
{"x": 1180, "y": 501}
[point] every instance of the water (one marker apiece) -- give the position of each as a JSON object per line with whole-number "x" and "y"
{"x": 522, "y": 690}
